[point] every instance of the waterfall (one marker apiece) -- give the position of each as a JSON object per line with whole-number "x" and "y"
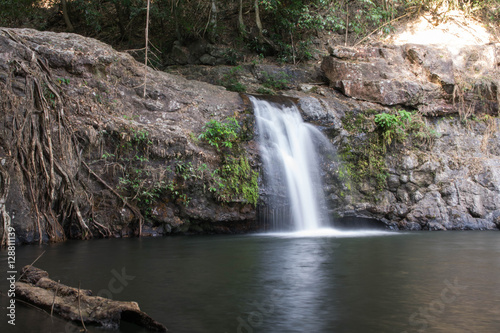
{"x": 288, "y": 148}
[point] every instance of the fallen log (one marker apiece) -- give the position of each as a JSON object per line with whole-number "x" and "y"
{"x": 78, "y": 305}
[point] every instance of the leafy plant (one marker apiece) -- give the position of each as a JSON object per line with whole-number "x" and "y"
{"x": 363, "y": 152}
{"x": 265, "y": 91}
{"x": 393, "y": 126}
{"x": 235, "y": 180}
{"x": 62, "y": 80}
{"x": 238, "y": 179}
{"x": 220, "y": 134}
{"x": 107, "y": 155}
{"x": 141, "y": 136}
{"x": 231, "y": 82}
{"x": 277, "y": 81}
{"x": 400, "y": 125}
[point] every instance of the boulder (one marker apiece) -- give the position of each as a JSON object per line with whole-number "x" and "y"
{"x": 429, "y": 78}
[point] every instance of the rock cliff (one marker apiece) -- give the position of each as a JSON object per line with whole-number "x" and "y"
{"x": 85, "y": 153}
{"x": 442, "y": 168}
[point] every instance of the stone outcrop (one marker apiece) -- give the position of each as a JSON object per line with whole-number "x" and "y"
{"x": 109, "y": 141}
{"x": 451, "y": 184}
{"x": 435, "y": 80}
{"x": 119, "y": 163}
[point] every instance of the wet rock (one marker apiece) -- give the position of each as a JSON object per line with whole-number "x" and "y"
{"x": 495, "y": 217}
{"x": 312, "y": 109}
{"x": 476, "y": 209}
{"x": 400, "y": 210}
{"x": 403, "y": 195}
{"x": 412, "y": 226}
{"x": 433, "y": 226}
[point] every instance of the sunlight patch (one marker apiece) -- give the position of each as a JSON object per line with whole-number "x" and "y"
{"x": 454, "y": 28}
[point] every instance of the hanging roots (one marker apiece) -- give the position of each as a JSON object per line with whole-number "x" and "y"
{"x": 39, "y": 142}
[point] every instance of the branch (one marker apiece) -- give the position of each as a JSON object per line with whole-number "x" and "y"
{"x": 383, "y": 25}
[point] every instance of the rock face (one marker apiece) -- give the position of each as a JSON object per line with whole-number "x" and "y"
{"x": 86, "y": 153}
{"x": 435, "y": 80}
{"x": 450, "y": 184}
{"x": 109, "y": 161}
{"x": 455, "y": 185}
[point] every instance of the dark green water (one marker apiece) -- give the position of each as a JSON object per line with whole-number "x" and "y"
{"x": 412, "y": 282}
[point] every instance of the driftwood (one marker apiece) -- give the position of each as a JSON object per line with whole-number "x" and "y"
{"x": 78, "y": 305}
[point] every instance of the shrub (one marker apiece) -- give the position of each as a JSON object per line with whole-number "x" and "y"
{"x": 231, "y": 82}
{"x": 221, "y": 134}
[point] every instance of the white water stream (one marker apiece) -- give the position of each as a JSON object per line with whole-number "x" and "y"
{"x": 291, "y": 164}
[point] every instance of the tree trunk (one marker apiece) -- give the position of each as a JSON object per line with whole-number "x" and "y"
{"x": 66, "y": 16}
{"x": 241, "y": 24}
{"x": 175, "y": 13}
{"x": 257, "y": 18}
{"x": 212, "y": 32}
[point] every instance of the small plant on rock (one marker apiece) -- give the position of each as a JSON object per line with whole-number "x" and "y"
{"x": 278, "y": 81}
{"x": 231, "y": 82}
{"x": 220, "y": 134}
{"x": 393, "y": 126}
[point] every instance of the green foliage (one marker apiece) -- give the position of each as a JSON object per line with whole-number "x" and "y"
{"x": 231, "y": 56}
{"x": 235, "y": 180}
{"x": 290, "y": 25}
{"x": 49, "y": 95}
{"x": 371, "y": 134}
{"x": 107, "y": 155}
{"x": 393, "y": 126}
{"x": 143, "y": 182}
{"x": 297, "y": 22}
{"x": 363, "y": 162}
{"x": 13, "y": 13}
{"x": 137, "y": 183}
{"x": 256, "y": 46}
{"x": 221, "y": 134}
{"x": 140, "y": 182}
{"x": 141, "y": 137}
{"x": 277, "y": 81}
{"x": 401, "y": 124}
{"x": 62, "y": 80}
{"x": 187, "y": 171}
{"x": 91, "y": 13}
{"x": 265, "y": 91}
{"x": 231, "y": 80}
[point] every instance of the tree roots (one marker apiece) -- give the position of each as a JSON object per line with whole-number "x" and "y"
{"x": 40, "y": 145}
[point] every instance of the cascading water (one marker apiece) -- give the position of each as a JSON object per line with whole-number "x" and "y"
{"x": 291, "y": 167}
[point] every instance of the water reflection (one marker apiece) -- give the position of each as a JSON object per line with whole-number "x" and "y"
{"x": 432, "y": 282}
